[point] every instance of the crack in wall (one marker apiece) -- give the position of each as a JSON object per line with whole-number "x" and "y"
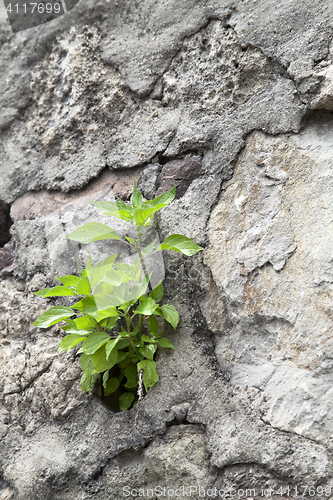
{"x": 292, "y": 433}
{"x": 29, "y": 383}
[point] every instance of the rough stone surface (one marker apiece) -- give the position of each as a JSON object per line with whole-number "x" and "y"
{"x": 176, "y": 461}
{"x": 270, "y": 255}
{"x": 222, "y": 98}
{"x": 66, "y": 135}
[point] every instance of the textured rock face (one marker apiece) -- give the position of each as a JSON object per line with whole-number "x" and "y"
{"x": 68, "y": 134}
{"x": 231, "y": 101}
{"x": 270, "y": 255}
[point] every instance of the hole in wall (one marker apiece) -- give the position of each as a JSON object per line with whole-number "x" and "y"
{"x": 111, "y": 400}
{"x": 5, "y": 223}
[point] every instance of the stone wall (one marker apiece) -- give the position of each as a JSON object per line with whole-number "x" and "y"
{"x": 232, "y": 100}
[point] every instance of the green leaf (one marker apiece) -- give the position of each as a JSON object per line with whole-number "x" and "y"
{"x": 97, "y": 272}
{"x": 109, "y": 322}
{"x": 42, "y": 293}
{"x": 115, "y": 209}
{"x": 103, "y": 289}
{"x": 157, "y": 292}
{"x": 144, "y": 214}
{"x": 125, "y": 401}
{"x": 121, "y": 356}
{"x": 94, "y": 342}
{"x": 105, "y": 377}
{"x": 147, "y": 306}
{"x": 148, "y": 351}
{"x": 79, "y": 268}
{"x": 53, "y": 316}
{"x": 56, "y": 291}
{"x": 105, "y": 313}
{"x": 83, "y": 286}
{"x": 85, "y": 364}
{"x": 105, "y": 301}
{"x": 131, "y": 373}
{"x": 140, "y": 289}
{"x": 71, "y": 325}
{"x": 153, "y": 325}
{"x": 93, "y": 231}
{"x": 77, "y": 332}
{"x": 123, "y": 206}
{"x": 87, "y": 269}
{"x": 148, "y": 339}
{"x": 150, "y": 375}
{"x": 99, "y": 361}
{"x": 148, "y": 248}
{"x": 110, "y": 346}
{"x": 123, "y": 343}
{"x": 130, "y": 240}
{"x": 136, "y": 198}
{"x": 122, "y": 266}
{"x": 70, "y": 341}
{"x": 125, "y": 362}
{"x": 169, "y": 313}
{"x": 86, "y": 305}
{"x": 84, "y": 322}
{"x": 120, "y": 295}
{"x": 70, "y": 280}
{"x": 86, "y": 383}
{"x": 111, "y": 386}
{"x": 164, "y": 199}
{"x": 181, "y": 244}
{"x": 113, "y": 277}
{"x": 165, "y": 343}
{"x": 87, "y": 379}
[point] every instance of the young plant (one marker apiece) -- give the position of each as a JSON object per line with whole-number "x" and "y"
{"x": 115, "y": 318}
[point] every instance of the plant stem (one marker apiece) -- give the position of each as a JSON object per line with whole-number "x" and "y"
{"x": 139, "y": 252}
{"x": 128, "y": 323}
{"x": 132, "y": 344}
{"x": 140, "y": 324}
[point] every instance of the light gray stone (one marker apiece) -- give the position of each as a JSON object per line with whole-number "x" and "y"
{"x": 276, "y": 276}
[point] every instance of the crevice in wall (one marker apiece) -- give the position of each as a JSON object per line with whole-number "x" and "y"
{"x": 199, "y": 151}
{"x": 30, "y": 382}
{"x": 202, "y": 335}
{"x": 5, "y": 223}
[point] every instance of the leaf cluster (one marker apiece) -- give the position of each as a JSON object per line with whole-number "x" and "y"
{"x": 115, "y": 318}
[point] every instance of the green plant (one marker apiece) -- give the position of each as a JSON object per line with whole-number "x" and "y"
{"x": 115, "y": 320}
